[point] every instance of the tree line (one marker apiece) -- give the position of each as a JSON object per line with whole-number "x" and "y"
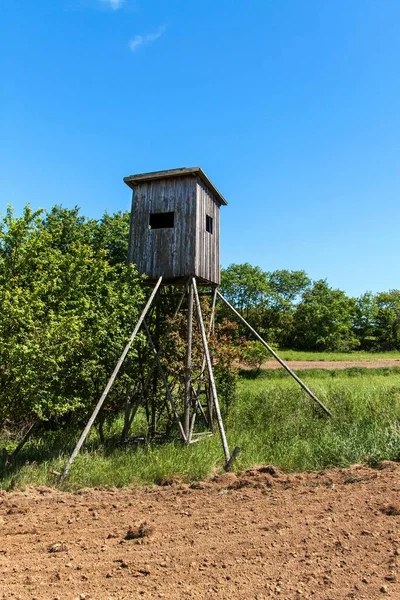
{"x": 293, "y": 311}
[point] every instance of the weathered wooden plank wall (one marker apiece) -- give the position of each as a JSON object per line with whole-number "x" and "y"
{"x": 167, "y": 252}
{"x": 207, "y": 244}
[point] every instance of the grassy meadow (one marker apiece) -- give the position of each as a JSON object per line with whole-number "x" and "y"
{"x": 272, "y": 421}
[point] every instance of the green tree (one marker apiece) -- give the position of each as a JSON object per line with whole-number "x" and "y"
{"x": 288, "y": 285}
{"x": 388, "y": 320}
{"x": 364, "y": 323}
{"x": 323, "y": 320}
{"x": 245, "y": 286}
{"x": 278, "y": 317}
{"x": 112, "y": 234}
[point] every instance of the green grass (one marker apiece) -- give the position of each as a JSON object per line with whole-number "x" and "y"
{"x": 272, "y": 420}
{"x": 280, "y": 424}
{"x": 338, "y": 356}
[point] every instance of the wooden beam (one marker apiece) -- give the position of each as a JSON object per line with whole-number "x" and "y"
{"x": 188, "y": 365}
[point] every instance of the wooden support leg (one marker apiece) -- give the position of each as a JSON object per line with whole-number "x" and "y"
{"x": 203, "y": 366}
{"x": 212, "y": 316}
{"x": 197, "y": 405}
{"x": 10, "y": 458}
{"x": 210, "y": 326}
{"x": 109, "y": 384}
{"x": 211, "y": 375}
{"x": 188, "y": 365}
{"x": 178, "y": 308}
{"x": 129, "y": 420}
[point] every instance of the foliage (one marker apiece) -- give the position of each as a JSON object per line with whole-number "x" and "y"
{"x": 278, "y": 319}
{"x": 66, "y": 312}
{"x": 226, "y": 346}
{"x": 244, "y": 286}
{"x": 323, "y": 320}
{"x": 388, "y": 319}
{"x": 69, "y": 301}
{"x": 364, "y": 321}
{"x": 255, "y": 354}
{"x": 247, "y": 288}
{"x": 288, "y": 285}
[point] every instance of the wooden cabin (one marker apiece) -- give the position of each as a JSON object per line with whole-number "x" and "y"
{"x": 174, "y": 229}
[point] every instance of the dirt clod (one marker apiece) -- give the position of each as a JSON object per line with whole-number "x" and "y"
{"x": 392, "y": 510}
{"x": 383, "y": 589}
{"x": 143, "y": 530}
{"x": 58, "y": 547}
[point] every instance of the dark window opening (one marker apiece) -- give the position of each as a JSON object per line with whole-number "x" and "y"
{"x": 161, "y": 220}
{"x": 209, "y": 224}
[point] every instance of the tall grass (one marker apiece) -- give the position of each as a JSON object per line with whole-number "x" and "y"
{"x": 271, "y": 420}
{"x": 278, "y": 423}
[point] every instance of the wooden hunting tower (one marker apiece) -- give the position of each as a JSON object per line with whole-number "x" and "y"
{"x": 174, "y": 239}
{"x": 174, "y": 231}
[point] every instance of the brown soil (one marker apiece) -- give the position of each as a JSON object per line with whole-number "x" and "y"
{"x": 263, "y": 534}
{"x": 332, "y": 364}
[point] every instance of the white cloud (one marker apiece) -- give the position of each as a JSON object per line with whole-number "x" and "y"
{"x": 114, "y": 4}
{"x": 142, "y": 40}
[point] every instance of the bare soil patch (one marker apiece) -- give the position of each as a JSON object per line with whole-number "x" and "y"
{"x": 262, "y": 534}
{"x": 332, "y": 364}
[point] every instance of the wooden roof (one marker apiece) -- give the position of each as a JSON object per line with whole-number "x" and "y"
{"x": 133, "y": 180}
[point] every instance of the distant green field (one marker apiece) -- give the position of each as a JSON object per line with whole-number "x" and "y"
{"x": 338, "y": 356}
{"x": 272, "y": 420}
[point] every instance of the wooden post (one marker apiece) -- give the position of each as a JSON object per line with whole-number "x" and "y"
{"x": 197, "y": 404}
{"x": 109, "y": 384}
{"x": 203, "y": 366}
{"x": 188, "y": 365}
{"x": 210, "y": 326}
{"x": 211, "y": 375}
{"x": 11, "y": 457}
{"x": 212, "y": 316}
{"x": 274, "y": 354}
{"x": 131, "y": 416}
{"x": 192, "y": 421}
{"x": 179, "y": 304}
{"x": 168, "y": 391}
{"x": 127, "y": 414}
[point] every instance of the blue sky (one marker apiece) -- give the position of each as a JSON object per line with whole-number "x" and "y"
{"x": 290, "y": 106}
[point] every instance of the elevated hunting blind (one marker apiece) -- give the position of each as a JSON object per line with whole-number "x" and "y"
{"x": 174, "y": 230}
{"x": 174, "y": 240}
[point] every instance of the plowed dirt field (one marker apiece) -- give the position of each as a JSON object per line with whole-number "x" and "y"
{"x": 262, "y": 534}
